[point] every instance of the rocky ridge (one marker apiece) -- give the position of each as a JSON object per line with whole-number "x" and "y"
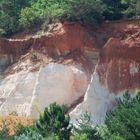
{"x": 69, "y": 54}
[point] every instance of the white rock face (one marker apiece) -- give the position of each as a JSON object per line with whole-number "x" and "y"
{"x": 28, "y": 93}
{"x": 96, "y": 102}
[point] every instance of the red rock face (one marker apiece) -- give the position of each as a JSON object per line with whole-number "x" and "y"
{"x": 118, "y": 42}
{"x": 67, "y": 42}
{"x": 69, "y": 37}
{"x": 119, "y": 64}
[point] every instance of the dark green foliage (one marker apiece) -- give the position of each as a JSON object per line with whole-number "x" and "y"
{"x": 80, "y": 136}
{"x": 29, "y": 17}
{"x": 133, "y": 8}
{"x": 4, "y": 132}
{"x": 106, "y": 134}
{"x": 19, "y": 14}
{"x": 42, "y": 11}
{"x": 113, "y": 9}
{"x": 28, "y": 133}
{"x": 85, "y": 128}
{"x": 53, "y": 124}
{"x": 85, "y": 11}
{"x": 9, "y": 15}
{"x": 125, "y": 119}
{"x": 48, "y": 11}
{"x": 54, "y": 121}
{"x": 123, "y": 123}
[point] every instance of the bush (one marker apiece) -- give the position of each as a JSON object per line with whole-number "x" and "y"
{"x": 123, "y": 123}
{"x": 80, "y": 136}
{"x": 133, "y": 8}
{"x": 84, "y": 11}
{"x": 42, "y": 11}
{"x": 9, "y": 15}
{"x": 27, "y": 133}
{"x": 53, "y": 124}
{"x": 4, "y": 133}
{"x": 106, "y": 134}
{"x": 2, "y": 32}
{"x": 89, "y": 11}
{"x": 125, "y": 119}
{"x": 29, "y": 17}
{"x": 18, "y": 14}
{"x": 86, "y": 129}
{"x": 54, "y": 121}
{"x": 113, "y": 10}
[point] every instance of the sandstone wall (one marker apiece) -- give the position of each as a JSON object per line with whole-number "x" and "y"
{"x": 117, "y": 69}
{"x": 69, "y": 37}
{"x": 28, "y": 93}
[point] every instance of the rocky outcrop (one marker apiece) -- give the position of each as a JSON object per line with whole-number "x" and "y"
{"x": 57, "y": 66}
{"x": 27, "y": 93}
{"x": 46, "y": 68}
{"x": 117, "y": 71}
{"x": 119, "y": 64}
{"x": 61, "y": 42}
{"x": 97, "y": 102}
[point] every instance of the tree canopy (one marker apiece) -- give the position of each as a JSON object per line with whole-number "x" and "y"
{"x": 19, "y": 14}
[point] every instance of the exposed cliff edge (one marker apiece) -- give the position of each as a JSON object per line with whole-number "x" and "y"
{"x": 46, "y": 68}
{"x": 57, "y": 66}
{"x": 60, "y": 42}
{"x": 117, "y": 71}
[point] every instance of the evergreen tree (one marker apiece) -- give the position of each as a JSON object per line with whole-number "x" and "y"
{"x": 125, "y": 119}
{"x": 54, "y": 121}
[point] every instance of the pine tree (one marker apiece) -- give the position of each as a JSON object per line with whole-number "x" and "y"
{"x": 54, "y": 121}
{"x": 125, "y": 119}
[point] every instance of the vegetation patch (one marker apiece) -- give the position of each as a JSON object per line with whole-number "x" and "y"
{"x": 21, "y": 14}
{"x": 122, "y": 123}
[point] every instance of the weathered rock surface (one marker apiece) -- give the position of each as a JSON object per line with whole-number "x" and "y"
{"x": 119, "y": 64}
{"x": 30, "y": 92}
{"x": 32, "y": 81}
{"x": 117, "y": 70}
{"x": 66, "y": 39}
{"x": 97, "y": 101}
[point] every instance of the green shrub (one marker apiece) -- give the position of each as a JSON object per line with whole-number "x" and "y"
{"x": 106, "y": 134}
{"x": 4, "y": 134}
{"x": 80, "y": 136}
{"x": 29, "y": 17}
{"x": 89, "y": 11}
{"x": 42, "y": 11}
{"x": 54, "y": 121}
{"x": 9, "y": 15}
{"x": 113, "y": 10}
{"x": 125, "y": 119}
{"x": 2, "y": 32}
{"x": 85, "y": 11}
{"x": 27, "y": 132}
{"x": 123, "y": 123}
{"x": 53, "y": 124}
{"x": 133, "y": 8}
{"x": 18, "y": 14}
{"x": 85, "y": 128}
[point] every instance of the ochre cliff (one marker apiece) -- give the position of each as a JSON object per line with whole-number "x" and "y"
{"x": 119, "y": 61}
{"x": 47, "y": 68}
{"x": 117, "y": 42}
{"x": 63, "y": 61}
{"x": 119, "y": 65}
{"x": 117, "y": 70}
{"x": 68, "y": 37}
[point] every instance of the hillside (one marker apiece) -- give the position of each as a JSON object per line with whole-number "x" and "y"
{"x": 69, "y": 70}
{"x": 72, "y": 50}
